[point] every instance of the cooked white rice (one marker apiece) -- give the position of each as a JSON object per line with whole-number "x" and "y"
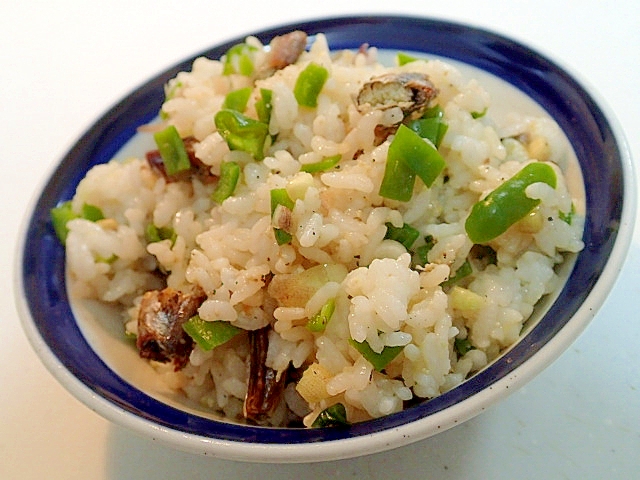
{"x": 339, "y": 218}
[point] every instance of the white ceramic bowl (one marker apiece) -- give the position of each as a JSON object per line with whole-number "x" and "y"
{"x": 87, "y": 357}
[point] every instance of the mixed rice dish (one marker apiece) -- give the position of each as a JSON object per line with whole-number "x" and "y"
{"x": 320, "y": 239}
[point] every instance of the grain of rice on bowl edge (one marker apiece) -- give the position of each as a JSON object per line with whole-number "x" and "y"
{"x": 321, "y": 239}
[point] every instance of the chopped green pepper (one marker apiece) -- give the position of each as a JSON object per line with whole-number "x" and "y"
{"x": 172, "y": 150}
{"x": 209, "y": 335}
{"x": 264, "y": 105}
{"x": 60, "y": 215}
{"x": 420, "y": 256}
{"x": 409, "y": 155}
{"x": 406, "y": 235}
{"x": 324, "y": 164}
{"x": 319, "y": 321}
{"x": 507, "y": 204}
{"x": 63, "y": 213}
{"x": 568, "y": 217}
{"x": 479, "y": 114}
{"x": 282, "y": 236}
{"x": 462, "y": 346}
{"x": 431, "y": 125}
{"x": 333, "y": 416}
{"x": 422, "y": 157}
{"x": 241, "y": 132}
{"x": 155, "y": 234}
{"x": 239, "y": 59}
{"x": 109, "y": 260}
{"x": 229, "y": 175}
{"x": 398, "y": 180}
{"x": 309, "y": 84}
{"x": 378, "y": 360}
{"x": 279, "y": 196}
{"x": 91, "y": 213}
{"x": 237, "y": 100}
{"x": 463, "y": 271}
{"x": 404, "y": 58}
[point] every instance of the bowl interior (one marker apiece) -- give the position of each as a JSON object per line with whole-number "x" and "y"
{"x": 42, "y": 273}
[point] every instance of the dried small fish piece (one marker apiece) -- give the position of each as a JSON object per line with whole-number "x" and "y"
{"x": 285, "y": 49}
{"x": 411, "y": 91}
{"x": 265, "y": 385}
{"x": 160, "y": 318}
{"x": 382, "y": 132}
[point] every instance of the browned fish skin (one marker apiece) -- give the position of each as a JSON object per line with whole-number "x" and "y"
{"x": 285, "y": 49}
{"x": 411, "y": 91}
{"x": 382, "y": 133}
{"x": 160, "y": 318}
{"x": 264, "y": 388}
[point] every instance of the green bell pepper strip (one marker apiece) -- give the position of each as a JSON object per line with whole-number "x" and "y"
{"x": 319, "y": 321}
{"x": 404, "y": 58}
{"x": 63, "y": 213}
{"x": 321, "y": 166}
{"x": 209, "y": 335}
{"x": 422, "y": 157}
{"x": 431, "y": 125}
{"x": 333, "y": 416}
{"x": 507, "y": 204}
{"x": 434, "y": 112}
{"x": 378, "y": 360}
{"x": 409, "y": 155}
{"x": 239, "y": 59}
{"x": 91, "y": 213}
{"x": 421, "y": 254}
{"x": 476, "y": 115}
{"x": 172, "y": 150}
{"x": 282, "y": 236}
{"x": 406, "y": 235}
{"x": 462, "y": 346}
{"x": 463, "y": 271}
{"x": 398, "y": 180}
{"x": 241, "y": 132}
{"x": 237, "y": 100}
{"x": 60, "y": 215}
{"x": 279, "y": 196}
{"x": 568, "y": 217}
{"x": 227, "y": 182}
{"x": 108, "y": 261}
{"x": 264, "y": 105}
{"x": 155, "y": 234}
{"x": 309, "y": 84}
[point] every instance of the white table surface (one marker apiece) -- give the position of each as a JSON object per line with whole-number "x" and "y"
{"x": 63, "y": 63}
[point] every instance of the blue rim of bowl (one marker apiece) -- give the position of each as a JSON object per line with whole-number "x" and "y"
{"x": 42, "y": 258}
